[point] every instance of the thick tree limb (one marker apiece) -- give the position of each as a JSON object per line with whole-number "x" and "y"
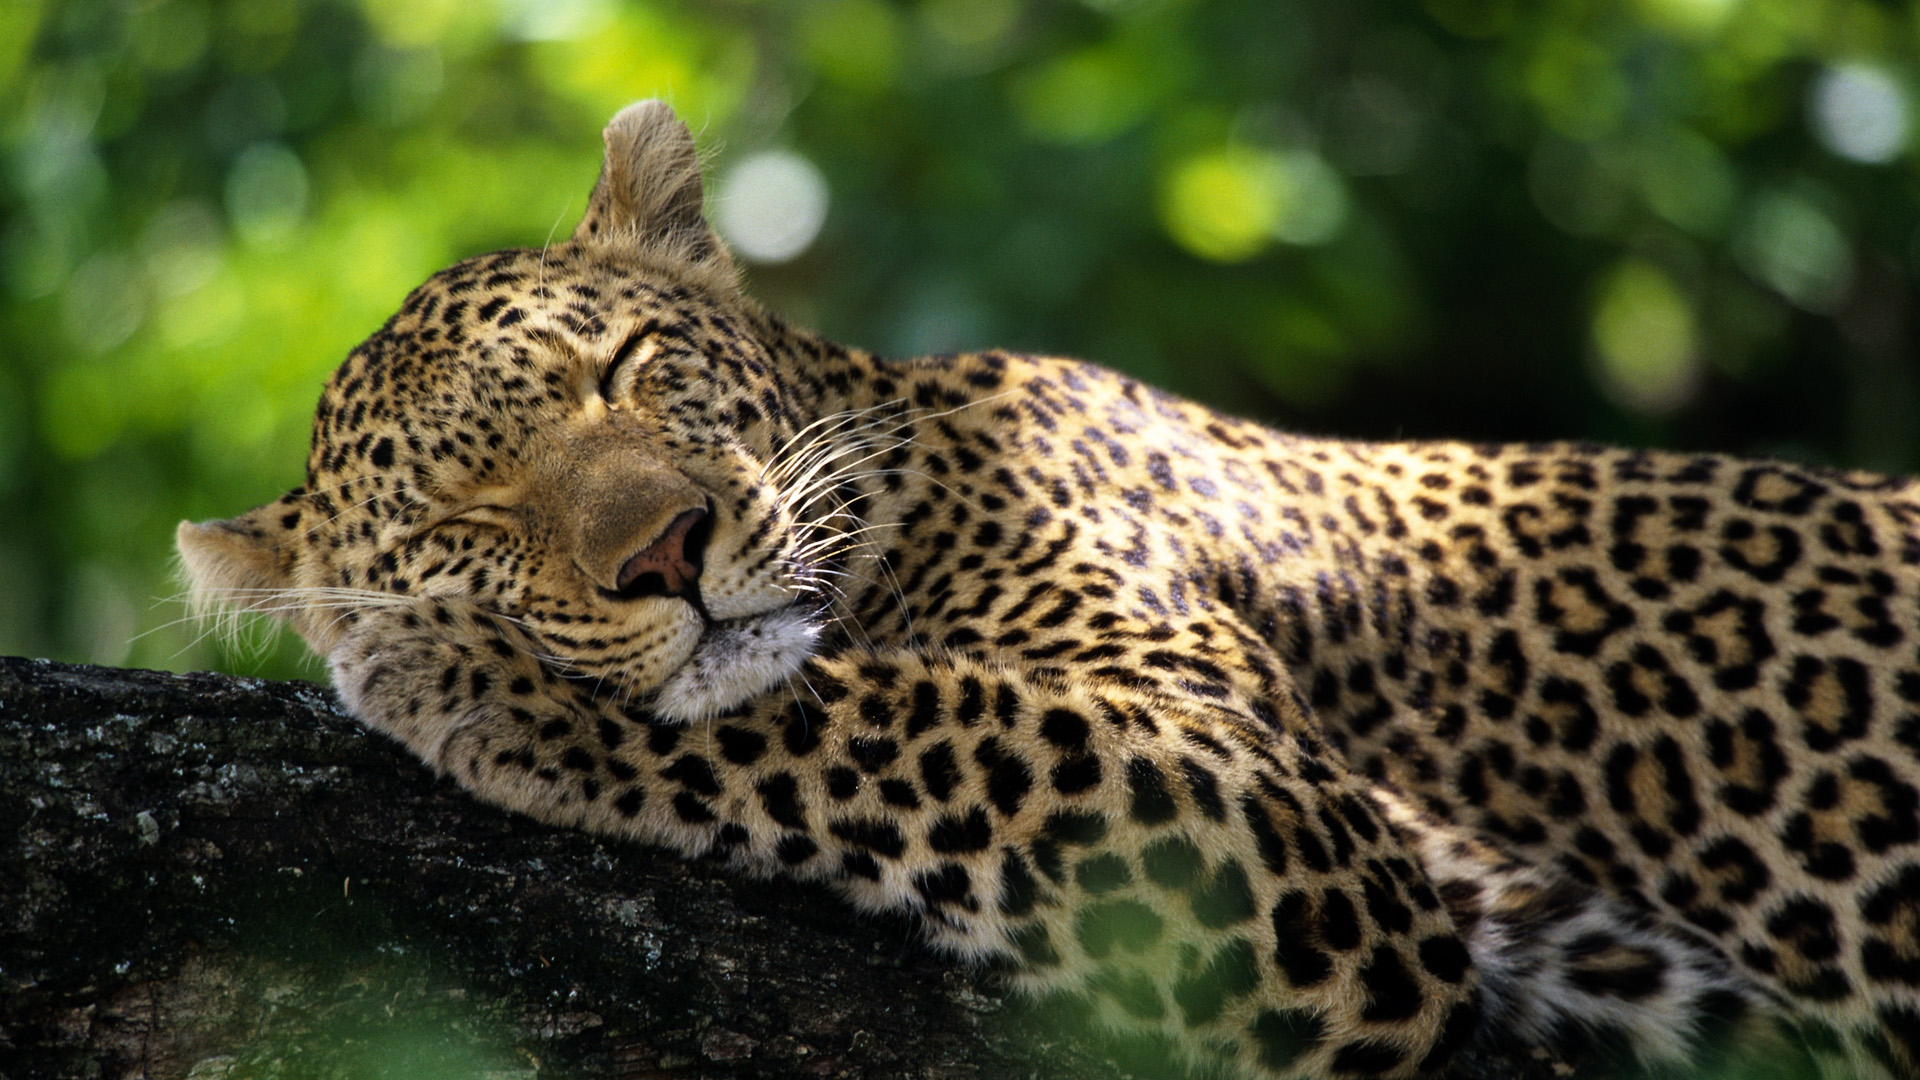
{"x": 232, "y": 874}
{"x": 213, "y": 877}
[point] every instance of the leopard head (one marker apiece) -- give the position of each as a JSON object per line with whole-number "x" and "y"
{"x": 584, "y": 440}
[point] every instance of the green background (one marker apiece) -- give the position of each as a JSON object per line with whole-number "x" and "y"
{"x": 1684, "y": 223}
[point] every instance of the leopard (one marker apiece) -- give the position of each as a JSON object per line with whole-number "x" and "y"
{"x": 1304, "y": 757}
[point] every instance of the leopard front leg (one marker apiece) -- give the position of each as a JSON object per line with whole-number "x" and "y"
{"x": 1186, "y": 870}
{"x": 468, "y": 693}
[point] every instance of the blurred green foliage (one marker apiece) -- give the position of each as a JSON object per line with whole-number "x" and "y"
{"x": 1671, "y": 222}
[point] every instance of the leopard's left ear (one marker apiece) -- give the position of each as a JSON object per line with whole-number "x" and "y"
{"x": 649, "y": 189}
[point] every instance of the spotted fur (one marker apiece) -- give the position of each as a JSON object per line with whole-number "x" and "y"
{"x": 1316, "y": 758}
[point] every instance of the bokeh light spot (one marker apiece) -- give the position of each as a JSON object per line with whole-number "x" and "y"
{"x": 182, "y": 247}
{"x": 1314, "y": 202}
{"x": 57, "y": 165}
{"x": 1084, "y": 97}
{"x": 203, "y": 318}
{"x": 970, "y": 24}
{"x": 936, "y": 315}
{"x": 19, "y": 26}
{"x": 643, "y": 51}
{"x": 170, "y": 37}
{"x": 1691, "y": 18}
{"x": 1646, "y": 339}
{"x": 1228, "y": 204}
{"x": 267, "y": 194}
{"x": 104, "y": 303}
{"x": 1225, "y": 204}
{"x": 424, "y": 22}
{"x": 1580, "y": 91}
{"x": 263, "y": 18}
{"x": 395, "y": 86}
{"x": 1860, "y": 112}
{"x": 770, "y": 206}
{"x": 244, "y": 110}
{"x": 1685, "y": 179}
{"x": 1789, "y": 243}
{"x": 553, "y": 20}
{"x": 1574, "y": 188}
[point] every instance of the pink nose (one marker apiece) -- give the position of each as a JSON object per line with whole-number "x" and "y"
{"x": 670, "y": 566}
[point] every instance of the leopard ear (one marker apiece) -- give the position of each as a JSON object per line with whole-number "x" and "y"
{"x": 245, "y": 562}
{"x": 649, "y": 189}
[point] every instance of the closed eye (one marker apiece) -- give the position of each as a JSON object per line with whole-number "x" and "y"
{"x": 416, "y": 534}
{"x": 483, "y": 516}
{"x": 487, "y": 516}
{"x": 620, "y": 357}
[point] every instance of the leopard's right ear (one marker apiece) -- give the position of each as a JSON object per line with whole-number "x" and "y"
{"x": 244, "y": 562}
{"x": 648, "y": 194}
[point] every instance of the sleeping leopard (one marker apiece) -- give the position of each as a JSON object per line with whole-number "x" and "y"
{"x": 1311, "y": 758}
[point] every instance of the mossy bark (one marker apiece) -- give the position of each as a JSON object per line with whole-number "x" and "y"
{"x": 212, "y": 877}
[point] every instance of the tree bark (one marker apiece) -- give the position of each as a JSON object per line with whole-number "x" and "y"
{"x": 212, "y": 877}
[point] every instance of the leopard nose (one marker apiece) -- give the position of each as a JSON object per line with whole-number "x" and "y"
{"x": 670, "y": 566}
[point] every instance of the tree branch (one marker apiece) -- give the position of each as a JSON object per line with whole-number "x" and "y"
{"x": 214, "y": 877}
{"x": 232, "y": 873}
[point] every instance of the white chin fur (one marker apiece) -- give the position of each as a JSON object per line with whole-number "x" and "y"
{"x": 734, "y": 662}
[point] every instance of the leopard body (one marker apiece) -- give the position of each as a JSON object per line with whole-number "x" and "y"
{"x": 1316, "y": 758}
